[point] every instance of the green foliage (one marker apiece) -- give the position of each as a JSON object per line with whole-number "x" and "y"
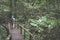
{"x": 42, "y": 16}
{"x": 35, "y": 4}
{"x": 42, "y": 23}
{"x": 44, "y": 27}
{"x": 3, "y": 33}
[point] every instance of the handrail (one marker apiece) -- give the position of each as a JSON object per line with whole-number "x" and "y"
{"x": 8, "y": 37}
{"x": 25, "y": 29}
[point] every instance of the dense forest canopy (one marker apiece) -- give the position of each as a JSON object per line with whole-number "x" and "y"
{"x": 40, "y": 16}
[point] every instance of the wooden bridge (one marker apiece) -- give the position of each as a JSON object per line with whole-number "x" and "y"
{"x": 16, "y": 34}
{"x": 13, "y": 32}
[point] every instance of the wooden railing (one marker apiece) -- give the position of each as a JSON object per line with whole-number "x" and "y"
{"x": 23, "y": 31}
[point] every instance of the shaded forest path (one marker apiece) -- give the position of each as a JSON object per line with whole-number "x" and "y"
{"x": 14, "y": 33}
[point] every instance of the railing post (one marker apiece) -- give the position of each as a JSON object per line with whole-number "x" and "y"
{"x": 21, "y": 30}
{"x": 30, "y": 37}
{"x": 24, "y": 34}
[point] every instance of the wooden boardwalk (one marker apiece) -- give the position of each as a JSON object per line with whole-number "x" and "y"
{"x": 14, "y": 33}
